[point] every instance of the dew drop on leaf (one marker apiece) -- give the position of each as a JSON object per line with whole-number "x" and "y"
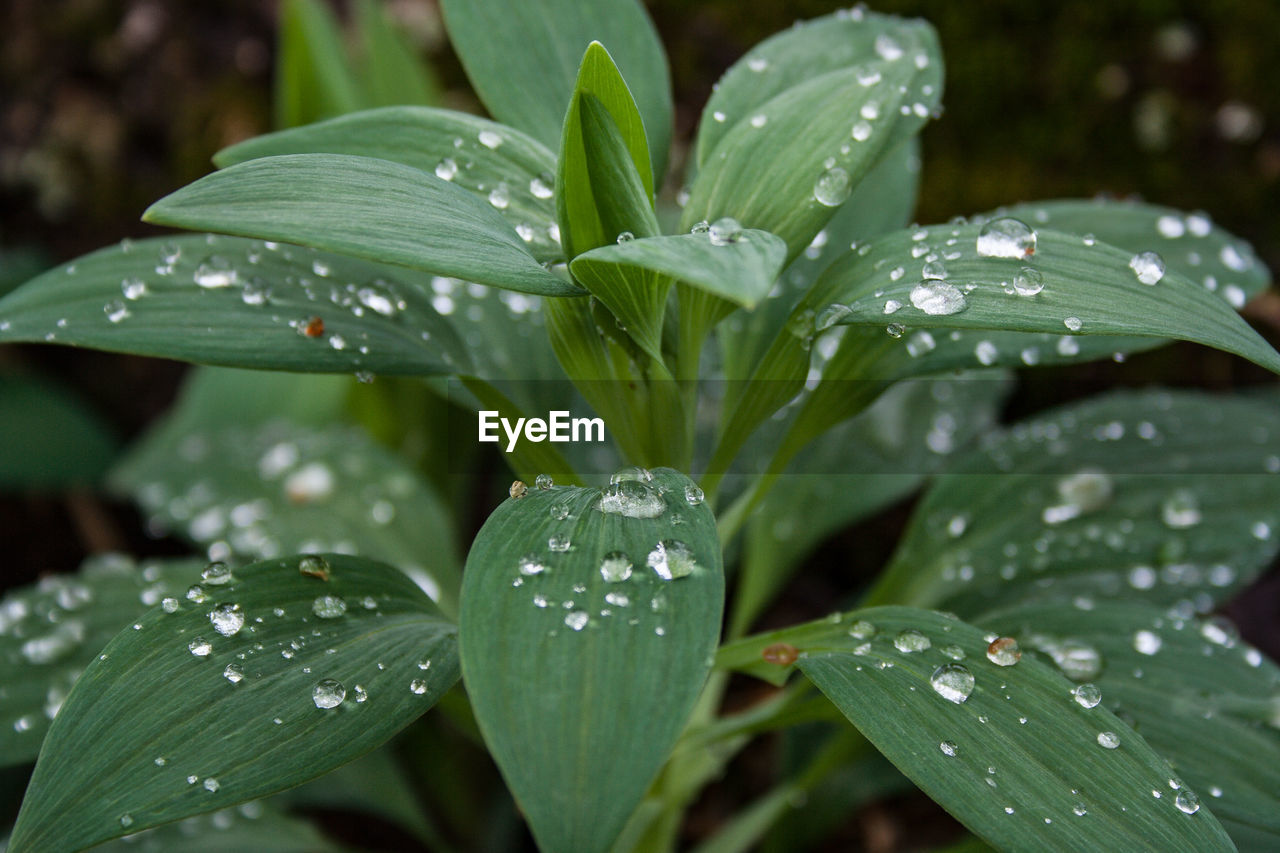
{"x": 227, "y": 619}
{"x": 200, "y": 647}
{"x": 418, "y": 686}
{"x": 910, "y": 641}
{"x": 780, "y": 654}
{"x": 1086, "y": 695}
{"x": 832, "y": 187}
{"x": 328, "y": 693}
{"x": 938, "y": 298}
{"x": 1148, "y": 267}
{"x": 1187, "y": 802}
{"x": 1004, "y": 651}
{"x": 1006, "y": 238}
{"x": 615, "y": 567}
{"x": 233, "y": 673}
{"x": 328, "y": 606}
{"x": 671, "y": 559}
{"x": 1108, "y": 740}
{"x": 948, "y": 748}
{"x": 953, "y": 682}
{"x": 216, "y": 574}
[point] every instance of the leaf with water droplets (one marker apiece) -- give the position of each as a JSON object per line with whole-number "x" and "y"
{"x": 366, "y": 208}
{"x": 245, "y": 303}
{"x": 1024, "y": 756}
{"x": 1205, "y": 700}
{"x": 1077, "y": 503}
{"x": 440, "y": 142}
{"x": 582, "y": 675}
{"x": 831, "y": 96}
{"x": 51, "y": 630}
{"x": 153, "y": 733}
{"x": 257, "y": 484}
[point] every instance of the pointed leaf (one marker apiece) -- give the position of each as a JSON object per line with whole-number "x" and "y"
{"x": 512, "y": 171}
{"x": 1201, "y": 697}
{"x": 581, "y": 685}
{"x": 1070, "y": 287}
{"x": 1011, "y": 753}
{"x": 53, "y": 629}
{"x": 523, "y": 58}
{"x": 225, "y": 300}
{"x": 364, "y": 207}
{"x": 313, "y": 79}
{"x": 1165, "y": 496}
{"x": 162, "y": 725}
{"x": 788, "y": 161}
{"x": 392, "y": 72}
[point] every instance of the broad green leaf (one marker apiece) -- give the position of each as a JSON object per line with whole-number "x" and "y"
{"x": 225, "y": 300}
{"x": 1005, "y": 749}
{"x": 234, "y": 695}
{"x": 1201, "y": 697}
{"x": 261, "y": 489}
{"x": 603, "y": 188}
{"x": 254, "y": 825}
{"x": 364, "y": 207}
{"x": 313, "y": 79}
{"x": 1064, "y": 285}
{"x": 856, "y": 470}
{"x": 52, "y": 439}
{"x": 392, "y": 73}
{"x": 794, "y": 150}
{"x": 741, "y": 270}
{"x": 523, "y": 60}
{"x": 513, "y": 172}
{"x": 580, "y": 683}
{"x": 1161, "y": 496}
{"x": 51, "y": 630}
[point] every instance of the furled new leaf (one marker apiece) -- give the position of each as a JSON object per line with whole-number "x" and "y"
{"x": 288, "y": 669}
{"x": 588, "y": 620}
{"x": 244, "y": 303}
{"x": 313, "y": 78}
{"x": 364, "y": 207}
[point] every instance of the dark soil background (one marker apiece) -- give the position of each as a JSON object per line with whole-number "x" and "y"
{"x": 106, "y": 105}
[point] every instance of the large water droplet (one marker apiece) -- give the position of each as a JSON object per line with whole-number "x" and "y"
{"x": 227, "y": 619}
{"x": 314, "y": 566}
{"x": 833, "y": 187}
{"x": 1147, "y": 642}
{"x": 1028, "y": 281}
{"x": 938, "y": 298}
{"x": 233, "y": 673}
{"x": 200, "y": 647}
{"x": 1187, "y": 801}
{"x": 693, "y": 495}
{"x": 328, "y": 693}
{"x": 1087, "y": 490}
{"x": 417, "y": 686}
{"x": 215, "y": 271}
{"x": 1087, "y": 695}
{"x": 631, "y": 498}
{"x": 328, "y": 606}
{"x": 953, "y": 682}
{"x": 1108, "y": 740}
{"x": 615, "y": 567}
{"x": 216, "y": 574}
{"x": 1004, "y": 651}
{"x": 446, "y": 169}
{"x": 724, "y": 231}
{"x": 1148, "y": 267}
{"x": 671, "y": 559}
{"x": 489, "y": 139}
{"x": 577, "y": 620}
{"x": 530, "y": 564}
{"x": 1006, "y": 238}
{"x": 910, "y": 641}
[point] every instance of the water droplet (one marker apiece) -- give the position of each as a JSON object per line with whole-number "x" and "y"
{"x": 418, "y": 686}
{"x": 489, "y": 139}
{"x": 196, "y": 593}
{"x": 1028, "y": 282}
{"x": 759, "y": 120}
{"x": 1170, "y": 227}
{"x": 558, "y": 544}
{"x": 540, "y": 188}
{"x": 215, "y": 271}
{"x": 911, "y": 640}
{"x": 169, "y": 605}
{"x": 517, "y": 489}
{"x": 895, "y": 330}
{"x": 693, "y": 495}
{"x": 887, "y": 48}
{"x": 952, "y": 681}
{"x": 861, "y": 130}
{"x": 1079, "y": 810}
{"x": 1147, "y": 642}
{"x": 833, "y": 187}
{"x": 1181, "y": 509}
{"x": 1187, "y": 802}
{"x": 757, "y": 63}
{"x": 615, "y": 567}
{"x": 500, "y": 196}
{"x": 631, "y": 498}
{"x": 724, "y": 231}
{"x": 938, "y": 298}
{"x": 1006, "y": 238}
{"x": 530, "y": 564}
{"x": 233, "y": 673}
{"x": 862, "y": 630}
{"x": 200, "y": 647}
{"x": 1087, "y": 695}
{"x": 328, "y": 606}
{"x": 126, "y": 820}
{"x": 216, "y": 574}
{"x": 1004, "y": 651}
{"x": 625, "y": 237}
{"x": 577, "y": 620}
{"x": 1108, "y": 740}
{"x": 671, "y": 559}
{"x": 328, "y": 693}
{"x": 780, "y": 654}
{"x": 227, "y": 619}
{"x": 948, "y": 748}
{"x": 1148, "y": 267}
{"x": 1073, "y": 324}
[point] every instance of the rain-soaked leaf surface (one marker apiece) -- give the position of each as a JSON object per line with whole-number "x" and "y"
{"x": 1162, "y": 496}
{"x": 238, "y": 302}
{"x": 806, "y": 114}
{"x": 589, "y": 618}
{"x": 1202, "y": 697}
{"x": 255, "y": 825}
{"x": 512, "y": 171}
{"x": 998, "y": 738}
{"x": 256, "y": 490}
{"x": 366, "y": 208}
{"x": 255, "y": 680}
{"x": 51, "y": 630}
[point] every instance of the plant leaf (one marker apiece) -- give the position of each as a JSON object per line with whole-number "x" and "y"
{"x": 364, "y": 207}
{"x": 313, "y": 79}
{"x": 523, "y": 61}
{"x": 52, "y": 438}
{"x": 1202, "y": 698}
{"x": 254, "y": 825}
{"x": 1017, "y": 760}
{"x": 517, "y": 172}
{"x": 581, "y": 685}
{"x": 1086, "y": 290}
{"x": 1162, "y": 496}
{"x": 807, "y": 131}
{"x": 392, "y": 72}
{"x": 148, "y": 696}
{"x": 261, "y": 489}
{"x": 257, "y": 307}
{"x": 52, "y": 630}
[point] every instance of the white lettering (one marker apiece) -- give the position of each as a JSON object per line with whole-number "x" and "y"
{"x": 512, "y": 434}
{"x": 588, "y": 424}
{"x": 536, "y": 429}
{"x": 560, "y": 427}
{"x": 488, "y": 426}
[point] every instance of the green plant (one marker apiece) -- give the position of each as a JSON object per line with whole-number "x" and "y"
{"x": 1072, "y": 695}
